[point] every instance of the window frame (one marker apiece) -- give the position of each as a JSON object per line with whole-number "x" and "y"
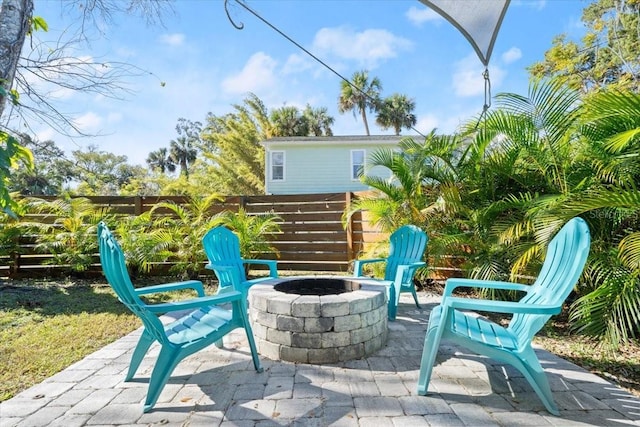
{"x": 352, "y": 172}
{"x": 272, "y": 165}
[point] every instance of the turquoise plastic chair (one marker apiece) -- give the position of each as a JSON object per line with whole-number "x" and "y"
{"x": 406, "y": 250}
{"x": 563, "y": 265}
{"x": 222, "y": 247}
{"x": 201, "y": 324}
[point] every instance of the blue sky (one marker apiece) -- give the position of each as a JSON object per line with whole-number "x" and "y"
{"x": 207, "y": 65}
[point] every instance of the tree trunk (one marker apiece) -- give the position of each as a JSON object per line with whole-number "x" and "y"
{"x": 15, "y": 16}
{"x": 364, "y": 119}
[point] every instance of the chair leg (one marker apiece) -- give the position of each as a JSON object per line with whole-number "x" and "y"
{"x": 140, "y": 351}
{"x": 392, "y": 305}
{"x": 430, "y": 350}
{"x": 533, "y": 371}
{"x": 415, "y": 295}
{"x": 250, "y": 338}
{"x": 166, "y": 363}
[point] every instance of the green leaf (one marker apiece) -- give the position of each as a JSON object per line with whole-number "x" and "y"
{"x": 38, "y": 24}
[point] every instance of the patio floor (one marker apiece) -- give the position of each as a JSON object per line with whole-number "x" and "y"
{"x": 219, "y": 387}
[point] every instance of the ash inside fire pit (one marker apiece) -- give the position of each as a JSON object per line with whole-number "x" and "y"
{"x": 320, "y": 286}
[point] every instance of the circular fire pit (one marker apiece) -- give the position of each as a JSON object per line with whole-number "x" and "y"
{"x": 318, "y": 319}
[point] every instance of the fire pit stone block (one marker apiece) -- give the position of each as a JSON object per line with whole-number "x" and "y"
{"x": 318, "y": 329}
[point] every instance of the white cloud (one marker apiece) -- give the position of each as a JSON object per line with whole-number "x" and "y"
{"x": 88, "y": 122}
{"x": 46, "y": 134}
{"x": 426, "y": 123}
{"x": 369, "y": 47}
{"x": 419, "y": 15}
{"x": 114, "y": 117}
{"x": 296, "y": 64}
{"x": 468, "y": 79}
{"x": 258, "y": 73}
{"x": 511, "y": 55}
{"x": 174, "y": 40}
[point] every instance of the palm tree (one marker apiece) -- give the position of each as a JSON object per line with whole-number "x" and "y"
{"x": 548, "y": 157}
{"x": 360, "y": 95}
{"x": 183, "y": 153}
{"x": 161, "y": 160}
{"x": 318, "y": 120}
{"x": 396, "y": 111}
{"x": 287, "y": 121}
{"x": 610, "y": 302}
{"x": 179, "y": 235}
{"x": 71, "y": 238}
{"x": 416, "y": 170}
{"x": 254, "y": 231}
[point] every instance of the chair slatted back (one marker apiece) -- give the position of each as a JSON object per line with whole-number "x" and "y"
{"x": 407, "y": 245}
{"x": 222, "y": 247}
{"x": 563, "y": 265}
{"x": 115, "y": 270}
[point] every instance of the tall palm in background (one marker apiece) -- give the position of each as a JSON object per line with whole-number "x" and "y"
{"x": 360, "y": 95}
{"x": 318, "y": 120}
{"x": 161, "y": 160}
{"x": 288, "y": 121}
{"x": 183, "y": 153}
{"x": 396, "y": 112}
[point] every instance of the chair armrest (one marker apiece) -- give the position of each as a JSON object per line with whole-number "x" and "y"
{"x": 500, "y": 306}
{"x": 407, "y": 270}
{"x": 357, "y": 266}
{"x": 196, "y": 285}
{"x": 455, "y": 283}
{"x": 273, "y": 265}
{"x": 167, "y": 307}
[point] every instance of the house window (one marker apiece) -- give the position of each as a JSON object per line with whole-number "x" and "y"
{"x": 277, "y": 165}
{"x": 357, "y": 164}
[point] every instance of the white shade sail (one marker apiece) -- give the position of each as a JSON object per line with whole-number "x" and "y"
{"x": 478, "y": 20}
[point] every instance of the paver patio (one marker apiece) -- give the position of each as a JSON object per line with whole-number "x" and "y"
{"x": 219, "y": 387}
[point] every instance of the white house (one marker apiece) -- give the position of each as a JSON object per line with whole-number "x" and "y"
{"x": 327, "y": 164}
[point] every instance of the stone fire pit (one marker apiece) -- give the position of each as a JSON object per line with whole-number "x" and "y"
{"x": 318, "y": 319}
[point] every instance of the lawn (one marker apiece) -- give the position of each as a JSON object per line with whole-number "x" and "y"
{"x": 47, "y": 325}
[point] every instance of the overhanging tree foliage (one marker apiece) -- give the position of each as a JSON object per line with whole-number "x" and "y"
{"x": 49, "y": 64}
{"x": 608, "y": 55}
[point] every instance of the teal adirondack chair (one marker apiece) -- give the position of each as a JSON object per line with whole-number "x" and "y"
{"x": 406, "y": 251}
{"x": 563, "y": 265}
{"x": 200, "y": 324}
{"x": 222, "y": 247}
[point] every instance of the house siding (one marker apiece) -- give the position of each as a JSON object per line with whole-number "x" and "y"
{"x": 323, "y": 165}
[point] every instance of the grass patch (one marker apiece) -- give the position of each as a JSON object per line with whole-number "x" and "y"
{"x": 45, "y": 326}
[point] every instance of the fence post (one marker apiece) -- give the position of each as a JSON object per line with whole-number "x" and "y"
{"x": 14, "y": 269}
{"x": 137, "y": 205}
{"x": 349, "y": 227}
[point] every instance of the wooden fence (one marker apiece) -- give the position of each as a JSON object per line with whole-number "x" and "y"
{"x": 312, "y": 237}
